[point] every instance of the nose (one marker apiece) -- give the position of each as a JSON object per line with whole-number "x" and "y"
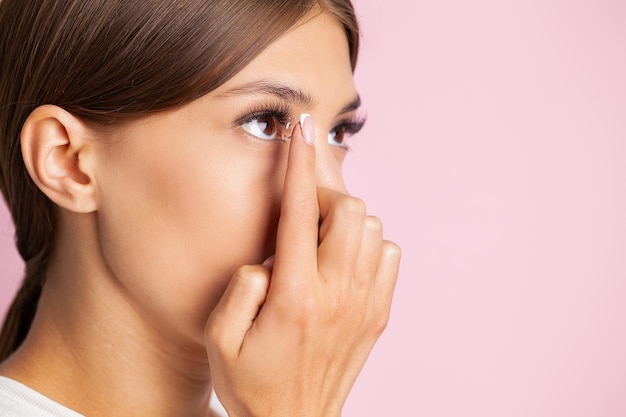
{"x": 327, "y": 164}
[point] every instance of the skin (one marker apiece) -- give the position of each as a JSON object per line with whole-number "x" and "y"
{"x": 164, "y": 224}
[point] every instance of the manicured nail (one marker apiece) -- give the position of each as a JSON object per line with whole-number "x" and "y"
{"x": 269, "y": 262}
{"x": 308, "y": 128}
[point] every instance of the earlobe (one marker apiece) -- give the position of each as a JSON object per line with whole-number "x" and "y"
{"x": 56, "y": 153}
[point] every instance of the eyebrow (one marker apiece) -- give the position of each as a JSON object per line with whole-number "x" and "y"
{"x": 284, "y": 92}
{"x": 352, "y": 106}
{"x": 269, "y": 88}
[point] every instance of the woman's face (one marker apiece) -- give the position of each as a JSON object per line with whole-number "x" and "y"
{"x": 187, "y": 196}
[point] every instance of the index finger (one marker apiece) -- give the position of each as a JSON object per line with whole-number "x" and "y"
{"x": 297, "y": 236}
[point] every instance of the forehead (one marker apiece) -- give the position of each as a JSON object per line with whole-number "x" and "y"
{"x": 313, "y": 57}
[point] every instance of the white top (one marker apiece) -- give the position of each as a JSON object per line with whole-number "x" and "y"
{"x": 17, "y": 400}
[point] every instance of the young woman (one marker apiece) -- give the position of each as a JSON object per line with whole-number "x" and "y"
{"x": 173, "y": 172}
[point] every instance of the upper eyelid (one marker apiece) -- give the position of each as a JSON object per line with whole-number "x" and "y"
{"x": 354, "y": 123}
{"x": 255, "y": 115}
{"x": 284, "y": 110}
{"x": 257, "y": 110}
{"x": 287, "y": 93}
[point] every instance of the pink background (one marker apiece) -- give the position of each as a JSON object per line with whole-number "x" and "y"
{"x": 495, "y": 153}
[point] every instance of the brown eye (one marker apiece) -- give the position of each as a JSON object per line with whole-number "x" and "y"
{"x": 336, "y": 136}
{"x": 342, "y": 131}
{"x": 263, "y": 127}
{"x": 270, "y": 125}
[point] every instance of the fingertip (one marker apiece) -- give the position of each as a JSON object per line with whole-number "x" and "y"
{"x": 307, "y": 127}
{"x": 392, "y": 251}
{"x": 388, "y": 268}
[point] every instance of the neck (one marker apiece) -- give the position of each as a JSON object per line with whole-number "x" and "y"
{"x": 90, "y": 350}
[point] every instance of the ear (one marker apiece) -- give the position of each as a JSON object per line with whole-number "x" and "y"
{"x": 57, "y": 152}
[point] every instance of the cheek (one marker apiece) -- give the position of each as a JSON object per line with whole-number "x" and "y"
{"x": 175, "y": 227}
{"x": 234, "y": 210}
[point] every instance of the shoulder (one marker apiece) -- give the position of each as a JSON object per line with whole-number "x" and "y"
{"x": 18, "y": 400}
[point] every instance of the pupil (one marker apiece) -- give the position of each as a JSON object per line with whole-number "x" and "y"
{"x": 339, "y": 135}
{"x": 270, "y": 126}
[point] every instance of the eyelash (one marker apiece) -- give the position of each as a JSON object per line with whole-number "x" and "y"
{"x": 281, "y": 112}
{"x": 350, "y": 127}
{"x": 278, "y": 110}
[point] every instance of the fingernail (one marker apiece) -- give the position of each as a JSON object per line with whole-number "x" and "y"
{"x": 269, "y": 262}
{"x": 308, "y": 128}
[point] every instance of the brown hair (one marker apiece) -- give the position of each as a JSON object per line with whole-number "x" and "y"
{"x": 110, "y": 61}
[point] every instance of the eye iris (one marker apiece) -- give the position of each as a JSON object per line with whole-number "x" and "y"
{"x": 267, "y": 125}
{"x": 337, "y": 136}
{"x": 339, "y": 133}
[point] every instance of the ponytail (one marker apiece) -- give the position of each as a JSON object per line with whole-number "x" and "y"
{"x": 22, "y": 311}
{"x": 34, "y": 244}
{"x": 33, "y": 215}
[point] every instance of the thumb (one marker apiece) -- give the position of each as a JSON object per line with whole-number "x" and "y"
{"x": 236, "y": 311}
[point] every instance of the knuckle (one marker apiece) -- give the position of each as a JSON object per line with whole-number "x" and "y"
{"x": 373, "y": 225}
{"x": 351, "y": 206}
{"x": 251, "y": 276}
{"x": 305, "y": 211}
{"x": 214, "y": 333}
{"x": 246, "y": 272}
{"x": 380, "y": 324}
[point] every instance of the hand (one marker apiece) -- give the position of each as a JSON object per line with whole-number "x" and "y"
{"x": 290, "y": 340}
